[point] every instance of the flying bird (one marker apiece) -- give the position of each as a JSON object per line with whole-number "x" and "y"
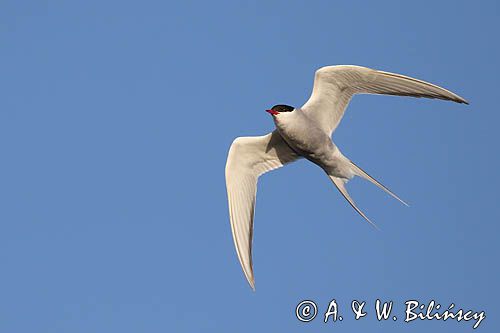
{"x": 306, "y": 132}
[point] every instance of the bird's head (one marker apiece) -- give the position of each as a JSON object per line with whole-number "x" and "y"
{"x": 277, "y": 109}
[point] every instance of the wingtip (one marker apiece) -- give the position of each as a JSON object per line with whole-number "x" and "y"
{"x": 460, "y": 100}
{"x": 250, "y": 277}
{"x": 252, "y": 284}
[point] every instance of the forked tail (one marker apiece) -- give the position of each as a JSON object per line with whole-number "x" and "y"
{"x": 361, "y": 173}
{"x": 340, "y": 184}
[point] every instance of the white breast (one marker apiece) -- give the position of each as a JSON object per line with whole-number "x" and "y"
{"x": 303, "y": 135}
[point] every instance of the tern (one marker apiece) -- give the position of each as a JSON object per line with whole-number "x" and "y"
{"x": 306, "y": 133}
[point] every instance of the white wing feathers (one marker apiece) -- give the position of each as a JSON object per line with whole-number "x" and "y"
{"x": 335, "y": 85}
{"x": 248, "y": 158}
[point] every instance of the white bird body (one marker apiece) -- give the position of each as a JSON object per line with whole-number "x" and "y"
{"x": 308, "y": 140}
{"x": 306, "y": 133}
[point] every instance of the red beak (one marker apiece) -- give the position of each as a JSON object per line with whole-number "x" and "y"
{"x": 272, "y": 112}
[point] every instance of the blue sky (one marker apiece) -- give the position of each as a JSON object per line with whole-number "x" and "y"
{"x": 115, "y": 122}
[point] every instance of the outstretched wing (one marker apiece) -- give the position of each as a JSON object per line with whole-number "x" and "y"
{"x": 335, "y": 85}
{"x": 248, "y": 158}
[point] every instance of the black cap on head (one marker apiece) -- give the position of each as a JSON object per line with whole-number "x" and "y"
{"x": 282, "y": 108}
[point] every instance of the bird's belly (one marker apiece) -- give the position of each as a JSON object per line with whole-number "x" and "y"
{"x": 308, "y": 141}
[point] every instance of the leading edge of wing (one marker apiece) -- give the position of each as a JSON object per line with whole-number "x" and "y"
{"x": 248, "y": 158}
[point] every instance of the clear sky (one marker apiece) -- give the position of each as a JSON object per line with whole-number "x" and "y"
{"x": 115, "y": 122}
